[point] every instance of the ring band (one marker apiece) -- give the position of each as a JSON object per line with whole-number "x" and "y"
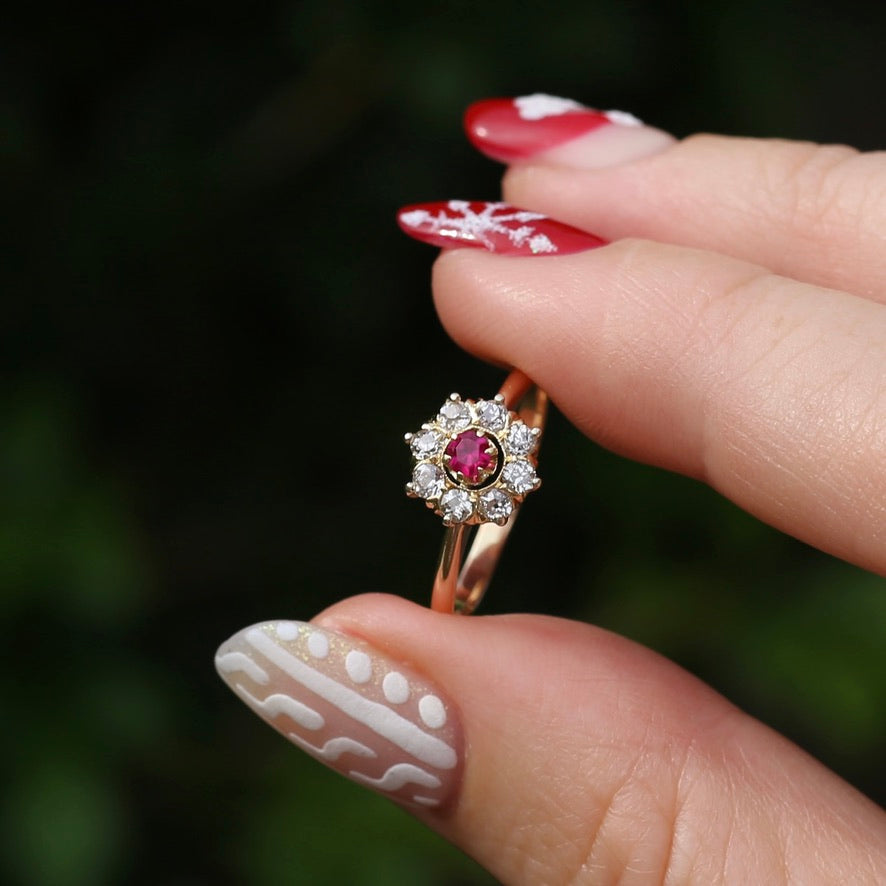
{"x": 475, "y": 463}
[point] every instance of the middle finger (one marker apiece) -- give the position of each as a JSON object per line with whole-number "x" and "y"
{"x": 815, "y": 213}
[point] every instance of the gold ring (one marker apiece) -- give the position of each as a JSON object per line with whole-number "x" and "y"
{"x": 475, "y": 462}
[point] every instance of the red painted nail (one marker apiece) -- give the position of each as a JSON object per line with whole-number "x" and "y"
{"x": 497, "y": 227}
{"x": 509, "y": 129}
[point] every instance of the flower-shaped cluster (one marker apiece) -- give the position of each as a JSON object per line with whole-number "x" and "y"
{"x": 474, "y": 461}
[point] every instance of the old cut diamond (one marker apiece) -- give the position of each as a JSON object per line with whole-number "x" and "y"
{"x": 427, "y": 481}
{"x": 454, "y": 415}
{"x": 491, "y": 415}
{"x": 426, "y": 444}
{"x": 495, "y": 505}
{"x": 519, "y": 476}
{"x": 521, "y": 440}
{"x": 455, "y": 505}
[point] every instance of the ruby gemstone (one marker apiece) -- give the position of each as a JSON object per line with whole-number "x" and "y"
{"x": 468, "y": 456}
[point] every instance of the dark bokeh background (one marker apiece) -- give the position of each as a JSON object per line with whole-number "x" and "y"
{"x": 202, "y": 279}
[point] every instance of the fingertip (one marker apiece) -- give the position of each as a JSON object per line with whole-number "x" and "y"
{"x": 542, "y": 128}
{"x": 606, "y": 148}
{"x": 354, "y": 705}
{"x": 505, "y": 730}
{"x": 372, "y": 615}
{"x": 456, "y": 276}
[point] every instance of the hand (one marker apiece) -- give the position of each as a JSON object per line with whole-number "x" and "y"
{"x": 742, "y": 340}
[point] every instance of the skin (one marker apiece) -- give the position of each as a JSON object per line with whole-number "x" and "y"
{"x": 738, "y": 337}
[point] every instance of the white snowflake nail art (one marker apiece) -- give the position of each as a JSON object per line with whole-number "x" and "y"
{"x": 497, "y": 227}
{"x": 538, "y": 106}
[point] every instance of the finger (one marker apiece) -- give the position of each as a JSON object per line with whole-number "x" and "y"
{"x": 815, "y": 213}
{"x": 772, "y": 391}
{"x": 576, "y": 756}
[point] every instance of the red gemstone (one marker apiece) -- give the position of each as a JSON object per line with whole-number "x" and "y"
{"x": 468, "y": 456}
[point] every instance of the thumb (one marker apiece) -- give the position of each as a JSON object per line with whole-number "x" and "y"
{"x": 552, "y": 751}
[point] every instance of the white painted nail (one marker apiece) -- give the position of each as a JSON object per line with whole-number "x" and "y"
{"x": 361, "y": 713}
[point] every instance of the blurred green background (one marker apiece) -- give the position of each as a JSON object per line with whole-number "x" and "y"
{"x": 202, "y": 275}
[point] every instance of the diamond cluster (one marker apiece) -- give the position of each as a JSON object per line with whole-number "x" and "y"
{"x": 474, "y": 461}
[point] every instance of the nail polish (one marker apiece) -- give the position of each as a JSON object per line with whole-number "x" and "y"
{"x": 496, "y": 227}
{"x": 358, "y": 711}
{"x": 509, "y": 129}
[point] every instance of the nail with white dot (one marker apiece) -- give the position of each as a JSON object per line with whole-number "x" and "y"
{"x": 358, "y": 666}
{"x": 287, "y": 630}
{"x": 395, "y": 688}
{"x": 432, "y": 712}
{"x": 318, "y": 645}
{"x": 366, "y": 715}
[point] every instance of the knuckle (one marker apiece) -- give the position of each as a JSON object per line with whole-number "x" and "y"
{"x": 823, "y": 188}
{"x": 644, "y": 818}
{"x": 821, "y": 192}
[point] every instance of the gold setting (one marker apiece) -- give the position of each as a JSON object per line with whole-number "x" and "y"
{"x": 486, "y": 505}
{"x": 501, "y": 453}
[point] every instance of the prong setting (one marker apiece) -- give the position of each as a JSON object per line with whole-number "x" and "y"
{"x": 474, "y": 462}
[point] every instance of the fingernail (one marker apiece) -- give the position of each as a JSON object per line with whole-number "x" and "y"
{"x": 358, "y": 711}
{"x": 562, "y": 130}
{"x": 496, "y": 227}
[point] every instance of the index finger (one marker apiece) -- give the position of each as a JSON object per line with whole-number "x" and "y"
{"x": 770, "y": 390}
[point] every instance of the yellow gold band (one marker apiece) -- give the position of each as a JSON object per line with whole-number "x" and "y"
{"x": 460, "y": 588}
